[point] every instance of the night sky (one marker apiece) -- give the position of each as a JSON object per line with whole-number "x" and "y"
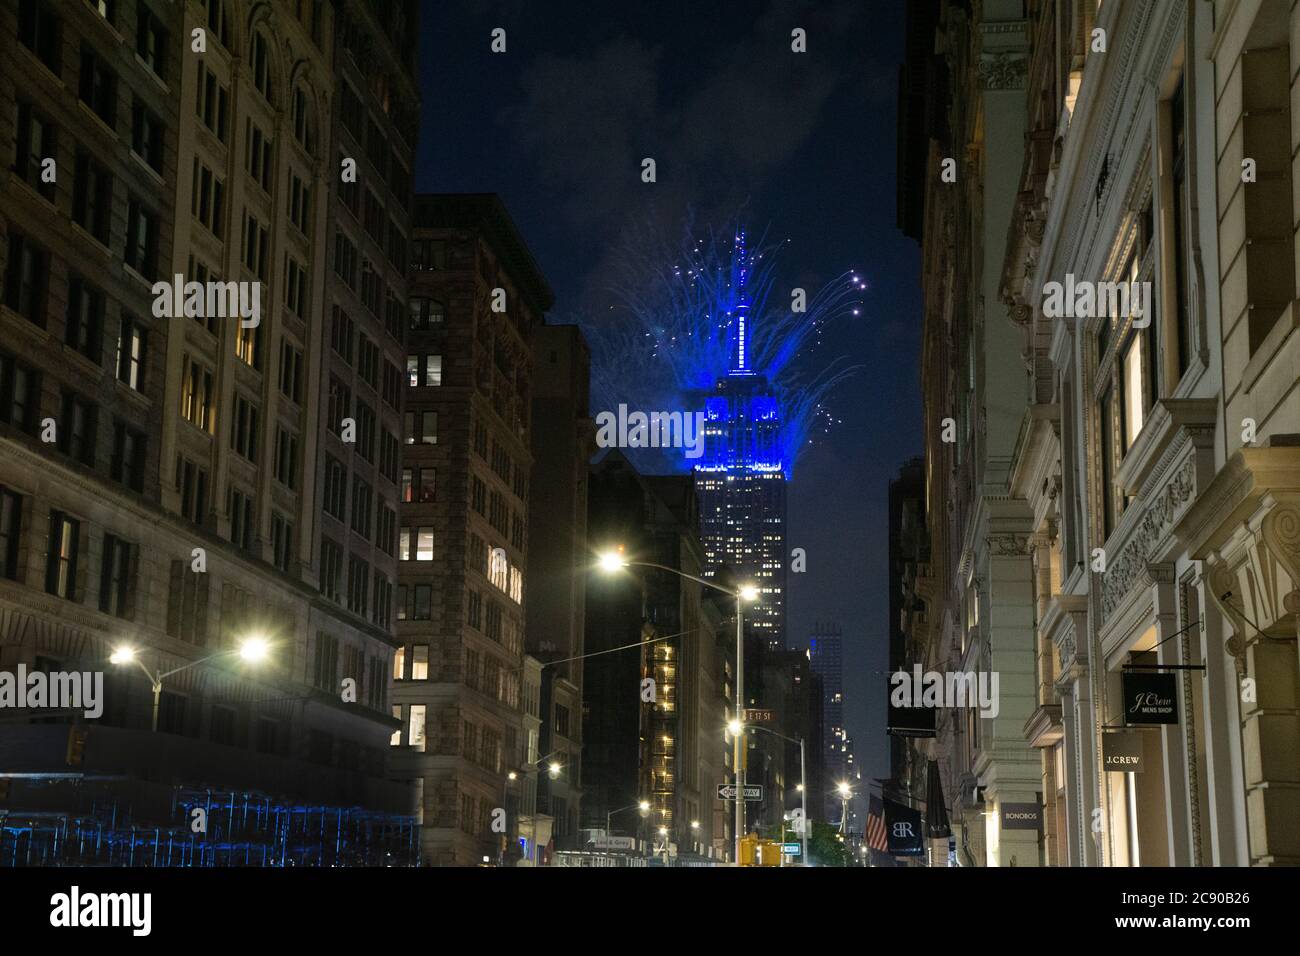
{"x": 800, "y": 143}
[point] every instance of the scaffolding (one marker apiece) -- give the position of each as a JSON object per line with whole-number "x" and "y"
{"x": 206, "y": 828}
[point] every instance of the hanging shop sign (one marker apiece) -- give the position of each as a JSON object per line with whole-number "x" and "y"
{"x": 908, "y": 721}
{"x": 903, "y": 830}
{"x": 1021, "y": 816}
{"x": 1121, "y": 752}
{"x": 1150, "y": 697}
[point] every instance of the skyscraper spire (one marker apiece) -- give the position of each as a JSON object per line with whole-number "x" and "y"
{"x": 740, "y": 358}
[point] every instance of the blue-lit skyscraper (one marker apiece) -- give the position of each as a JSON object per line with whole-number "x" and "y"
{"x": 740, "y": 480}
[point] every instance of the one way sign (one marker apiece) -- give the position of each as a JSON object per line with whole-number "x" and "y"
{"x": 727, "y": 791}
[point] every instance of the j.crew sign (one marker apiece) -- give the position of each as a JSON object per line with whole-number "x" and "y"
{"x": 1122, "y": 752}
{"x": 1150, "y": 698}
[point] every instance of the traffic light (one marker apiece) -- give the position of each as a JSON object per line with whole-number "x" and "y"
{"x": 749, "y": 853}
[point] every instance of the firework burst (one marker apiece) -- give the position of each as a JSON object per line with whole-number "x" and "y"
{"x": 672, "y": 334}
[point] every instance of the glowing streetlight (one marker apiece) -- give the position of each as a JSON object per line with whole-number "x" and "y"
{"x": 554, "y": 771}
{"x": 253, "y": 649}
{"x": 734, "y": 727}
{"x": 612, "y": 561}
{"x": 644, "y": 806}
{"x": 749, "y": 592}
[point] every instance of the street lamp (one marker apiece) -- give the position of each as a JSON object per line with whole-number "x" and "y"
{"x": 846, "y": 794}
{"x": 254, "y": 650}
{"x": 612, "y": 561}
{"x": 642, "y": 805}
{"x": 552, "y": 770}
{"x": 803, "y": 790}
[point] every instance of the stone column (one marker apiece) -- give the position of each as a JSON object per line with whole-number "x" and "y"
{"x": 1173, "y": 737}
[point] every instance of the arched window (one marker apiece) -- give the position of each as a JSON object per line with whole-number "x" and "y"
{"x": 259, "y": 59}
{"x": 304, "y": 127}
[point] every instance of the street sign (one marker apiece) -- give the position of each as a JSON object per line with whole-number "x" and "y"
{"x": 759, "y": 716}
{"x": 727, "y": 791}
{"x": 614, "y": 843}
{"x": 791, "y": 849}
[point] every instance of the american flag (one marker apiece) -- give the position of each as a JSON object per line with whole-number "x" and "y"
{"x": 876, "y": 838}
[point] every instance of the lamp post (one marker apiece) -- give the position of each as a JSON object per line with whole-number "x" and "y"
{"x": 552, "y": 771}
{"x": 846, "y": 794}
{"x": 612, "y": 561}
{"x": 803, "y": 791}
{"x": 252, "y": 649}
{"x": 642, "y": 805}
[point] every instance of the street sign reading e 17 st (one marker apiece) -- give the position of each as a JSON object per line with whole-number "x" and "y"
{"x": 727, "y": 791}
{"x": 758, "y": 716}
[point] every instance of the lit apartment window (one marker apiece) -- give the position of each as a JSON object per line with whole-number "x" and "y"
{"x": 415, "y": 543}
{"x": 248, "y": 339}
{"x": 421, "y": 428}
{"x": 61, "y": 566}
{"x": 396, "y": 739}
{"x": 420, "y": 662}
{"x": 132, "y": 342}
{"x": 399, "y": 664}
{"x": 415, "y": 735}
{"x": 196, "y": 394}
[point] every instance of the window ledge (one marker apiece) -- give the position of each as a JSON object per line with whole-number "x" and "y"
{"x": 1168, "y": 417}
{"x": 1286, "y": 323}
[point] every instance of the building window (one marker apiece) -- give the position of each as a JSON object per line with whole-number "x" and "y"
{"x": 415, "y": 736}
{"x": 336, "y": 488}
{"x": 399, "y": 664}
{"x": 421, "y": 428}
{"x": 151, "y": 41}
{"x": 255, "y": 243}
{"x": 281, "y": 542}
{"x": 415, "y": 543}
{"x": 1182, "y": 311}
{"x": 303, "y": 127}
{"x": 38, "y": 30}
{"x": 147, "y": 135}
{"x": 358, "y": 586}
{"x": 37, "y": 142}
{"x": 420, "y": 662}
{"x": 212, "y": 102}
{"x": 295, "y": 287}
{"x": 11, "y": 518}
{"x": 128, "y": 456}
{"x": 286, "y": 458}
{"x": 299, "y": 203}
{"x": 27, "y": 278}
{"x": 243, "y": 428}
{"x": 257, "y": 155}
{"x": 132, "y": 341}
{"x": 141, "y": 252}
{"x": 290, "y": 372}
{"x": 92, "y": 197}
{"x": 260, "y": 63}
{"x": 76, "y": 432}
{"x": 61, "y": 567}
{"x": 85, "y": 319}
{"x": 426, "y": 314}
{"x": 362, "y": 502}
{"x": 192, "y": 483}
{"x": 115, "y": 582}
{"x": 325, "y": 668}
{"x": 197, "y": 395}
{"x": 331, "y": 569}
{"x": 239, "y": 504}
{"x": 1106, "y": 435}
{"x": 207, "y": 199}
{"x": 98, "y": 88}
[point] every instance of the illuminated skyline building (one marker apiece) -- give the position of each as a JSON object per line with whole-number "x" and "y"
{"x": 741, "y": 479}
